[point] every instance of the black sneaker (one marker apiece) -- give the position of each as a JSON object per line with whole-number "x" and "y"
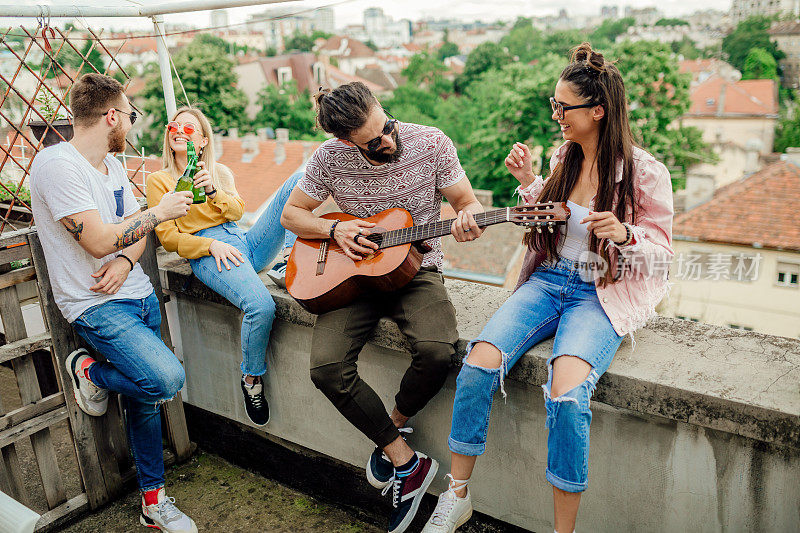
{"x": 380, "y": 469}
{"x": 408, "y": 492}
{"x": 255, "y": 403}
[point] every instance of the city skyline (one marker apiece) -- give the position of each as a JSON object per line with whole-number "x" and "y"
{"x": 352, "y": 12}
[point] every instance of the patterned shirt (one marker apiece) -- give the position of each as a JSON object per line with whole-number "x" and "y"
{"x": 429, "y": 162}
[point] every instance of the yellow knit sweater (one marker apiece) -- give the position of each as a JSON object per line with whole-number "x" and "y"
{"x": 177, "y": 235}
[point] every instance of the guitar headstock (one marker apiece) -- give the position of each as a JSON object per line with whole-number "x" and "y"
{"x": 543, "y": 215}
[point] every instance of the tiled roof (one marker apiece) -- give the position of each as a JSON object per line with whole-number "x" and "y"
{"x": 492, "y": 254}
{"x": 337, "y": 78}
{"x": 762, "y": 209}
{"x": 352, "y": 47}
{"x": 719, "y": 97}
{"x": 258, "y": 178}
{"x": 789, "y": 27}
{"x": 301, "y": 65}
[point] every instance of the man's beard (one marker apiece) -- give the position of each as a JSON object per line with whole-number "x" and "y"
{"x": 381, "y": 156}
{"x": 116, "y": 139}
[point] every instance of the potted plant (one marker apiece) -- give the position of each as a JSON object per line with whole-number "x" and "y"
{"x": 54, "y": 122}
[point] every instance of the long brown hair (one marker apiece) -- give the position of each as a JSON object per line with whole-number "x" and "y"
{"x": 595, "y": 80}
{"x": 221, "y": 176}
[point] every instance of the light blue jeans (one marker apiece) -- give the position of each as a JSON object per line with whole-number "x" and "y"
{"x": 241, "y": 285}
{"x": 139, "y": 367}
{"x": 555, "y": 301}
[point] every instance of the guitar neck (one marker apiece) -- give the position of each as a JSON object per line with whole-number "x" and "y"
{"x": 432, "y": 230}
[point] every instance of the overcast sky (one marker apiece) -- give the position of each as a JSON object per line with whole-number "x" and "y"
{"x": 350, "y": 12}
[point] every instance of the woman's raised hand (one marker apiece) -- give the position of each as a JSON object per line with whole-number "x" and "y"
{"x": 203, "y": 178}
{"x": 519, "y": 163}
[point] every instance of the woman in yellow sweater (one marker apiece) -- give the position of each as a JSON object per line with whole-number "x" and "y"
{"x": 223, "y": 256}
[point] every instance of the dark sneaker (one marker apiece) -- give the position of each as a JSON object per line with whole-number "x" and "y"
{"x": 255, "y": 403}
{"x": 408, "y": 492}
{"x": 91, "y": 399}
{"x": 278, "y": 274}
{"x": 380, "y": 469}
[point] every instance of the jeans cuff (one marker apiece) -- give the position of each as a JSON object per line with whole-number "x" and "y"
{"x": 153, "y": 487}
{"x": 259, "y": 372}
{"x": 566, "y": 486}
{"x": 464, "y": 448}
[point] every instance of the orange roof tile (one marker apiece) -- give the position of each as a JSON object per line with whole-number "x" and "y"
{"x": 258, "y": 179}
{"x": 717, "y": 96}
{"x": 760, "y": 209}
{"x": 353, "y": 47}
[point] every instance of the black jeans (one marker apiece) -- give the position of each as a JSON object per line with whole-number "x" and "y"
{"x": 425, "y": 315}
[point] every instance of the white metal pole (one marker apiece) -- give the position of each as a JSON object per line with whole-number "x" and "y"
{"x": 163, "y": 62}
{"x": 27, "y": 9}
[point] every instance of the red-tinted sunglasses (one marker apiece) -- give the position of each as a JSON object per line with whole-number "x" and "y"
{"x": 174, "y": 127}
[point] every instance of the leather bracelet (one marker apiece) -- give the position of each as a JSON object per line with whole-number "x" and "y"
{"x": 128, "y": 259}
{"x": 333, "y": 227}
{"x": 213, "y": 192}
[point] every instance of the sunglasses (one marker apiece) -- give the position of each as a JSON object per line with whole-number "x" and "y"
{"x": 375, "y": 143}
{"x": 559, "y": 108}
{"x": 133, "y": 116}
{"x": 175, "y": 127}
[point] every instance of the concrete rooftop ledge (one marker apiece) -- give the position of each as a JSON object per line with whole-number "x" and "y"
{"x": 743, "y": 383}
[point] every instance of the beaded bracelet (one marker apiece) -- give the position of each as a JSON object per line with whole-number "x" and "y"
{"x": 333, "y": 227}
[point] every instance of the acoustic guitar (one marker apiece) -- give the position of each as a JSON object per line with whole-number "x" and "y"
{"x": 322, "y": 278}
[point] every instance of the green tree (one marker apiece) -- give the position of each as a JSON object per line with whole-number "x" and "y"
{"x": 787, "y": 132}
{"x": 448, "y": 49}
{"x": 319, "y": 34}
{"x": 286, "y": 107}
{"x": 759, "y": 65}
{"x": 271, "y": 52}
{"x": 484, "y": 57}
{"x": 749, "y": 34}
{"x": 210, "y": 83}
{"x": 671, "y": 22}
{"x": 299, "y": 43}
{"x": 371, "y": 45}
{"x": 524, "y": 42}
{"x": 658, "y": 95}
{"x": 609, "y": 29}
{"x": 425, "y": 70}
{"x": 686, "y": 48}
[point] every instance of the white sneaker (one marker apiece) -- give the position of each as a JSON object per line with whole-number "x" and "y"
{"x": 278, "y": 274}
{"x": 451, "y": 511}
{"x": 165, "y": 516}
{"x": 90, "y": 398}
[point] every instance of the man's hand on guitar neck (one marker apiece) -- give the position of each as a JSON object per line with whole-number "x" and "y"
{"x": 465, "y": 228}
{"x": 351, "y": 235}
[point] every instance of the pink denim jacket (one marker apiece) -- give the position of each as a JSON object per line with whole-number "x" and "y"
{"x": 630, "y": 302}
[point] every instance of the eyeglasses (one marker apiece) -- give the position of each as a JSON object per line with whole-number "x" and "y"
{"x": 559, "y": 108}
{"x": 375, "y": 143}
{"x": 132, "y": 114}
{"x": 174, "y": 127}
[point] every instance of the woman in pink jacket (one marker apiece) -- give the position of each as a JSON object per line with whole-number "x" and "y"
{"x": 620, "y": 199}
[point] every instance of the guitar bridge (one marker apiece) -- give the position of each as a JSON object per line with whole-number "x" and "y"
{"x": 323, "y": 256}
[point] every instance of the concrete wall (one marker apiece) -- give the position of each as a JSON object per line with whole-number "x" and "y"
{"x": 698, "y": 430}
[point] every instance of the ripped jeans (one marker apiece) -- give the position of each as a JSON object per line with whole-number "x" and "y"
{"x": 555, "y": 301}
{"x": 138, "y": 366}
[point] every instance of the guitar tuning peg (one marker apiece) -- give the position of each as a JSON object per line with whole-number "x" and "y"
{"x": 538, "y": 227}
{"x": 550, "y": 226}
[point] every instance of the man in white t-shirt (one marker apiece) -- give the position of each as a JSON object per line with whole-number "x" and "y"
{"x": 375, "y": 163}
{"x": 93, "y": 233}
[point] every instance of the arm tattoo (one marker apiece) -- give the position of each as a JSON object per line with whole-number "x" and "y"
{"x": 73, "y": 227}
{"x": 137, "y": 229}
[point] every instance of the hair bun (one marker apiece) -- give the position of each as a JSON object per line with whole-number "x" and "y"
{"x": 583, "y": 53}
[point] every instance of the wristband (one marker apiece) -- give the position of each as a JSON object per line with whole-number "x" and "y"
{"x": 333, "y": 227}
{"x": 212, "y": 193}
{"x": 128, "y": 259}
{"x": 628, "y": 236}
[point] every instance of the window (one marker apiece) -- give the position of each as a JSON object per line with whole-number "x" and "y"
{"x": 788, "y": 274}
{"x": 736, "y": 326}
{"x": 690, "y": 319}
{"x": 284, "y": 75}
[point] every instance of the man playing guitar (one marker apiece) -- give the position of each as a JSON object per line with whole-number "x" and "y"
{"x": 375, "y": 163}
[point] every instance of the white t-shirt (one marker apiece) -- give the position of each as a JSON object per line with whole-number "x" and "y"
{"x": 63, "y": 183}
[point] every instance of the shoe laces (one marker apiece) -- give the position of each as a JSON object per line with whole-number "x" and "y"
{"x": 394, "y": 483}
{"x": 255, "y": 397}
{"x": 168, "y": 511}
{"x": 447, "y": 501}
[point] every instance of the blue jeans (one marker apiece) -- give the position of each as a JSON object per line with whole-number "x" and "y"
{"x": 554, "y": 301}
{"x": 241, "y": 285}
{"x": 140, "y": 368}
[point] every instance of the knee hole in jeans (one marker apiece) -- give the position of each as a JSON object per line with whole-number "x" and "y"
{"x": 487, "y": 356}
{"x": 560, "y": 385}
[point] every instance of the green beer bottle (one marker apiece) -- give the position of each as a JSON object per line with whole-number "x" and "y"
{"x": 186, "y": 181}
